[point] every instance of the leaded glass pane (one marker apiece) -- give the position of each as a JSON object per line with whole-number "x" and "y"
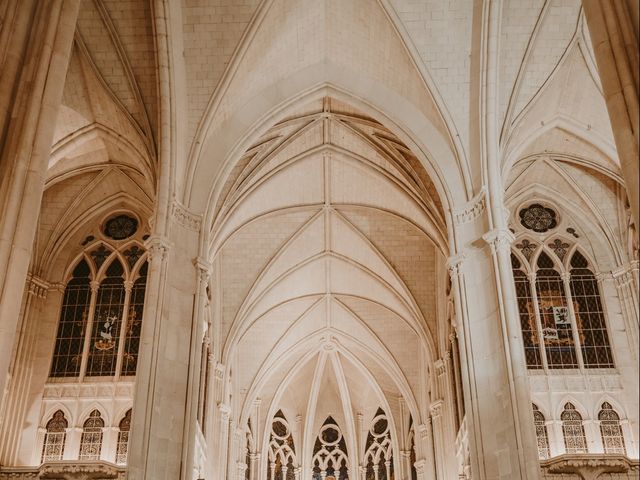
{"x": 557, "y": 332}
{"x": 54, "y": 438}
{"x": 122, "y": 447}
{"x": 611, "y": 431}
{"x": 573, "y": 431}
{"x": 107, "y": 319}
{"x": 91, "y": 440}
{"x": 134, "y": 324}
{"x": 67, "y": 354}
{"x": 590, "y": 321}
{"x": 526, "y": 309}
{"x": 541, "y": 434}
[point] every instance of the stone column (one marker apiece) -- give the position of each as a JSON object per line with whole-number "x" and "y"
{"x": 440, "y": 449}
{"x": 615, "y": 44}
{"x": 38, "y": 49}
{"x": 425, "y": 451}
{"x": 164, "y": 369}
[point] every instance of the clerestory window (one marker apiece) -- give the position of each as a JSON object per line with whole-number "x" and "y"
{"x": 101, "y": 316}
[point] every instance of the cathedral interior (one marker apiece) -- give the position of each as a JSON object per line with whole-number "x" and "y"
{"x": 319, "y": 239}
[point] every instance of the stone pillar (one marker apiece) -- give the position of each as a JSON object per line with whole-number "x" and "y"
{"x": 164, "y": 369}
{"x": 440, "y": 449}
{"x": 426, "y": 450}
{"x": 615, "y": 44}
{"x": 498, "y": 406}
{"x": 38, "y": 51}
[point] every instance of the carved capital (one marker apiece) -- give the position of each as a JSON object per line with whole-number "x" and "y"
{"x": 455, "y": 263}
{"x": 158, "y": 247}
{"x": 436, "y": 408}
{"x": 37, "y": 286}
{"x": 94, "y": 285}
{"x": 420, "y": 466}
{"x": 189, "y": 220}
{"x": 499, "y": 239}
{"x": 470, "y": 210}
{"x": 128, "y": 286}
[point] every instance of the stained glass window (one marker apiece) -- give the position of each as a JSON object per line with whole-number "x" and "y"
{"x": 330, "y": 457}
{"x": 107, "y": 319}
{"x": 282, "y": 452}
{"x": 122, "y": 447}
{"x": 526, "y": 309}
{"x": 573, "y": 430}
{"x": 91, "y": 440}
{"x": 557, "y": 332}
{"x": 134, "y": 323}
{"x": 611, "y": 431}
{"x": 590, "y": 321}
{"x": 54, "y": 438}
{"x": 378, "y": 455}
{"x": 67, "y": 354}
{"x": 541, "y": 433}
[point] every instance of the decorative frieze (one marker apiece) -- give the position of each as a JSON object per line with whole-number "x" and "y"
{"x": 471, "y": 210}
{"x": 184, "y": 217}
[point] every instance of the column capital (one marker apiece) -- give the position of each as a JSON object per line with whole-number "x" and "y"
{"x": 420, "y": 465}
{"x": 158, "y": 246}
{"x": 37, "y": 286}
{"x": 455, "y": 263}
{"x": 499, "y": 238}
{"x": 436, "y": 407}
{"x": 94, "y": 285}
{"x": 128, "y": 285}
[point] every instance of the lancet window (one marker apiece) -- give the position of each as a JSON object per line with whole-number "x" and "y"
{"x": 573, "y": 430}
{"x": 100, "y": 320}
{"x": 122, "y": 447}
{"x": 541, "y": 433}
{"x": 91, "y": 439}
{"x": 611, "y": 431}
{"x": 561, "y": 313}
{"x": 282, "y": 452}
{"x": 330, "y": 457}
{"x": 378, "y": 457}
{"x": 54, "y": 438}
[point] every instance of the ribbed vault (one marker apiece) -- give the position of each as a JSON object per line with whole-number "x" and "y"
{"x": 326, "y": 239}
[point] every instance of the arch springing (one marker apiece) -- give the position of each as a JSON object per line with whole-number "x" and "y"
{"x": 54, "y": 438}
{"x": 330, "y": 453}
{"x": 378, "y": 457}
{"x": 611, "y": 431}
{"x": 91, "y": 440}
{"x": 575, "y": 440}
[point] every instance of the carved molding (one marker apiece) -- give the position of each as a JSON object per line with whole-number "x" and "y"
{"x": 37, "y": 286}
{"x": 67, "y": 470}
{"x": 590, "y": 462}
{"x": 471, "y": 210}
{"x": 499, "y": 238}
{"x": 184, "y": 217}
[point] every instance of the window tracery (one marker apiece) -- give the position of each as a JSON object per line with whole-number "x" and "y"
{"x": 282, "y": 453}
{"x": 91, "y": 440}
{"x": 611, "y": 431}
{"x": 561, "y": 314}
{"x": 100, "y": 320}
{"x": 541, "y": 433}
{"x": 54, "y": 438}
{"x": 122, "y": 447}
{"x": 330, "y": 457}
{"x": 573, "y": 430}
{"x": 378, "y": 457}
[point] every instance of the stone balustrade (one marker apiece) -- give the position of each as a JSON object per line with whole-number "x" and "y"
{"x": 66, "y": 470}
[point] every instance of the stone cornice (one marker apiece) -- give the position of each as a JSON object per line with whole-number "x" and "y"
{"x": 602, "y": 463}
{"x": 471, "y": 210}
{"x": 186, "y": 218}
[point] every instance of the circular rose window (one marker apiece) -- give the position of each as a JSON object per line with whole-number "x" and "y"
{"x": 538, "y": 218}
{"x": 120, "y": 227}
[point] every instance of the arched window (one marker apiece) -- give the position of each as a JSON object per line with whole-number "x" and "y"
{"x": 282, "y": 452}
{"x": 101, "y": 341}
{"x": 541, "y": 433}
{"x": 573, "y": 430}
{"x": 330, "y": 457}
{"x": 611, "y": 431}
{"x": 122, "y": 447}
{"x": 54, "y": 438}
{"x": 91, "y": 440}
{"x": 590, "y": 321}
{"x": 566, "y": 311}
{"x": 107, "y": 320}
{"x": 67, "y": 354}
{"x": 527, "y": 313}
{"x": 378, "y": 457}
{"x": 554, "y": 315}
{"x": 134, "y": 323}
